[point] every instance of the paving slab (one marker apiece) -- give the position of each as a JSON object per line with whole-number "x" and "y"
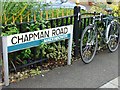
{"x": 109, "y": 85}
{"x": 114, "y": 81}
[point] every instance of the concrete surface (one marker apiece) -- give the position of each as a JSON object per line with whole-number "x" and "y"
{"x": 79, "y": 75}
{"x": 111, "y": 84}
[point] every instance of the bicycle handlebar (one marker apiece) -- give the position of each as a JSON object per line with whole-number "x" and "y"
{"x": 94, "y": 13}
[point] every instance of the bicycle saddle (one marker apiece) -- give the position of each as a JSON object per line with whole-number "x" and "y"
{"x": 109, "y": 9}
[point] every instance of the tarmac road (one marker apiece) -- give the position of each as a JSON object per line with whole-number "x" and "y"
{"x": 79, "y": 75}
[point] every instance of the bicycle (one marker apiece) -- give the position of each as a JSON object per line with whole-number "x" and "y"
{"x": 89, "y": 38}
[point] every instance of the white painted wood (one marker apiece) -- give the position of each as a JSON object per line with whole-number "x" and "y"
{"x": 70, "y": 46}
{"x": 5, "y": 61}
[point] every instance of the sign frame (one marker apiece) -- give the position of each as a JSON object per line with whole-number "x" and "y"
{"x": 5, "y": 51}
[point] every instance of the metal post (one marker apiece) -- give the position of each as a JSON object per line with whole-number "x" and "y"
{"x": 76, "y": 30}
{"x": 5, "y": 61}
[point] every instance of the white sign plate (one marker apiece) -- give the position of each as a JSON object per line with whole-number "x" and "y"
{"x": 30, "y": 39}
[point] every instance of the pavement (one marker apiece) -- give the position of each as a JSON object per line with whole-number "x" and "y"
{"x": 112, "y": 84}
{"x": 103, "y": 69}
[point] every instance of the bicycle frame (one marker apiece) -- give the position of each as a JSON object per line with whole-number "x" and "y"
{"x": 107, "y": 21}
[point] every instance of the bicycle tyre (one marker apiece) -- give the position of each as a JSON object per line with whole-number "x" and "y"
{"x": 117, "y": 38}
{"x": 90, "y": 27}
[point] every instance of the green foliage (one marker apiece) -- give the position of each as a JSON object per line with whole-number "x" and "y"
{"x": 17, "y": 9}
{"x": 34, "y": 72}
{"x": 28, "y": 8}
{"x": 35, "y": 26}
{"x": 10, "y": 30}
{"x": 115, "y": 9}
{"x": 14, "y": 77}
{"x": 26, "y": 53}
{"x": 20, "y": 58}
{"x": 119, "y": 9}
{"x": 53, "y": 51}
{"x": 99, "y": 8}
{"x": 57, "y": 52}
{"x": 41, "y": 48}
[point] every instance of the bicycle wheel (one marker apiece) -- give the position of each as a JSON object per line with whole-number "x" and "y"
{"x": 113, "y": 37}
{"x": 88, "y": 44}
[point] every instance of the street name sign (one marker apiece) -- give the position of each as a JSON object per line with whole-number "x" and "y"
{"x": 22, "y": 41}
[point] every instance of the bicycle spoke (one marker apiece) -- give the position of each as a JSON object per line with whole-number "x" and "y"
{"x": 113, "y": 37}
{"x": 88, "y": 44}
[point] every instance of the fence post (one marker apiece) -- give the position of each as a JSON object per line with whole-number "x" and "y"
{"x": 76, "y": 30}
